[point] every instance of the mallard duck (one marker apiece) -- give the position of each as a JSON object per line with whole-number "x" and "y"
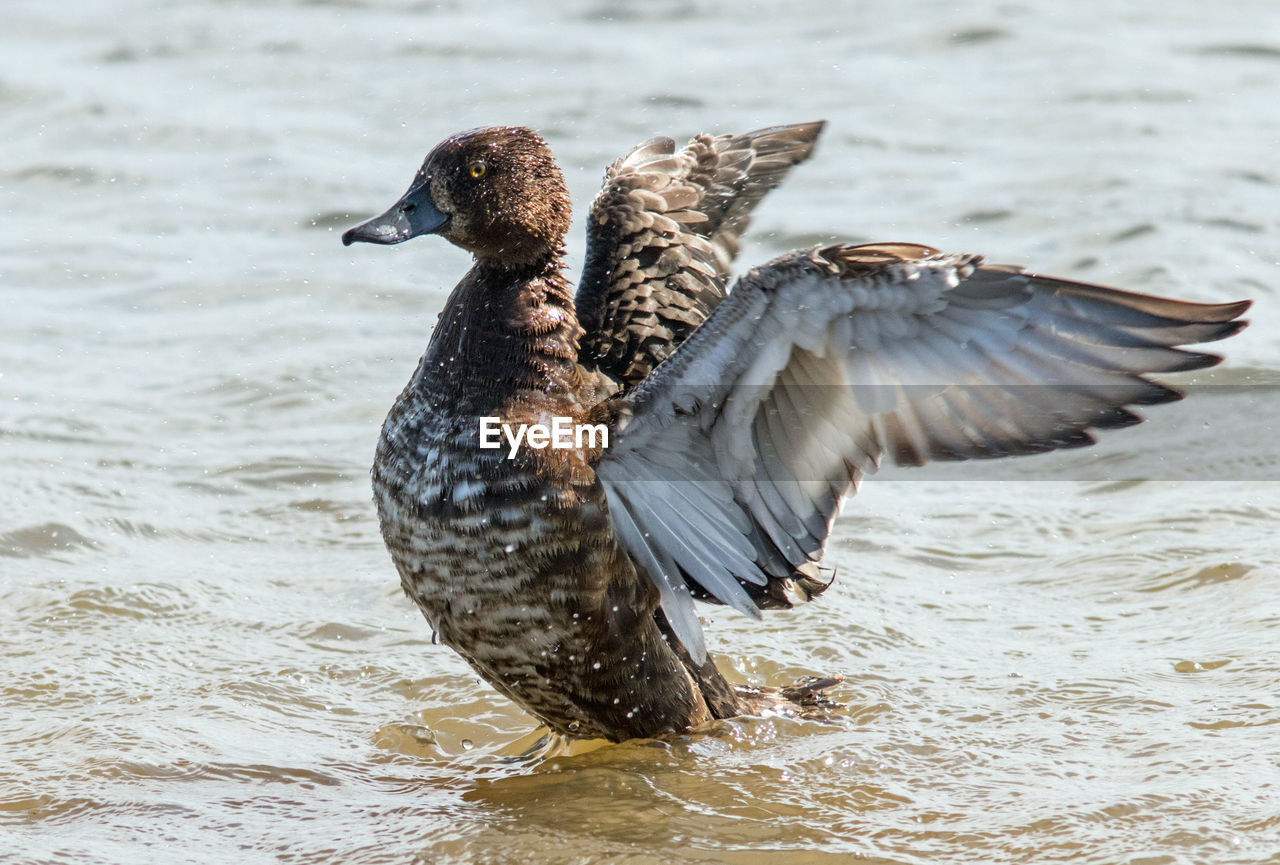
{"x": 727, "y": 423}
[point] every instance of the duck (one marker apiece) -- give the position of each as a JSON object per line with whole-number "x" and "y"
{"x": 728, "y": 419}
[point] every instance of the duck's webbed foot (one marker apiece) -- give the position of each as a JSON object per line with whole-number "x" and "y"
{"x": 805, "y": 698}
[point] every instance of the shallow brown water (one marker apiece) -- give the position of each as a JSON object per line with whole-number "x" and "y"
{"x": 204, "y": 655}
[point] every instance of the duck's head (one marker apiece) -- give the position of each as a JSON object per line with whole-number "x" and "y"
{"x": 495, "y": 192}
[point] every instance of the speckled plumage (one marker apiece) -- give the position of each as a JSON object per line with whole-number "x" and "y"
{"x": 511, "y": 561}
{"x": 739, "y": 419}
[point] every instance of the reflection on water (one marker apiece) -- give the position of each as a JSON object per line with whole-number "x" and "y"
{"x": 204, "y": 647}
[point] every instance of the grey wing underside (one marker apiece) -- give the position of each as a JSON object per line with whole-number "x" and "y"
{"x": 724, "y": 480}
{"x": 662, "y": 235}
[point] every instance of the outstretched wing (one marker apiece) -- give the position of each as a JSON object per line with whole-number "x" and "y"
{"x": 662, "y": 235}
{"x": 725, "y": 477}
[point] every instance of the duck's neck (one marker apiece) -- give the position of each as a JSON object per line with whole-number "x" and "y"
{"x": 506, "y": 328}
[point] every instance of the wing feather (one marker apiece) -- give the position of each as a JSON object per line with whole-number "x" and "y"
{"x": 736, "y": 452}
{"x": 662, "y": 235}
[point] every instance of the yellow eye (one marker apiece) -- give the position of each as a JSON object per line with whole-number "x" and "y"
{"x": 476, "y": 169}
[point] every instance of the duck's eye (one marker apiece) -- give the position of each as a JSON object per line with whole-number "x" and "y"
{"x": 476, "y": 169}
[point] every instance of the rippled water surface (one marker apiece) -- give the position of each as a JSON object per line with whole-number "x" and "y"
{"x": 204, "y": 653}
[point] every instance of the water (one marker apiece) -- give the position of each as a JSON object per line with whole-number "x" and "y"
{"x": 205, "y": 655}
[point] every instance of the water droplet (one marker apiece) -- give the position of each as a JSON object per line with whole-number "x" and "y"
{"x": 573, "y": 726}
{"x": 467, "y": 744}
{"x": 509, "y": 548}
{"x": 596, "y": 666}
